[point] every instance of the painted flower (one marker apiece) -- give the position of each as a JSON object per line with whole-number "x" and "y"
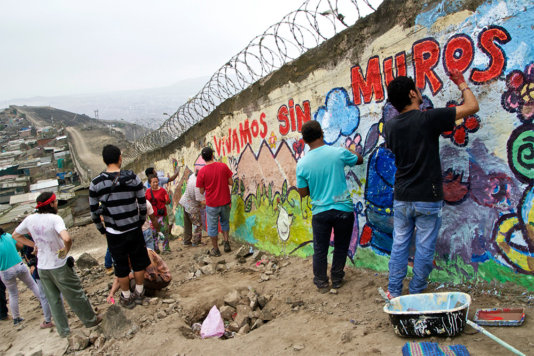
{"x": 460, "y": 133}
{"x": 519, "y": 97}
{"x": 298, "y": 147}
{"x": 354, "y": 144}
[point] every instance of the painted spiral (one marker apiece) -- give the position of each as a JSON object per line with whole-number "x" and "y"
{"x": 521, "y": 153}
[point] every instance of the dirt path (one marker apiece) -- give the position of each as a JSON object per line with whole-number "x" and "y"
{"x": 84, "y": 153}
{"x": 38, "y": 123}
{"x": 306, "y": 322}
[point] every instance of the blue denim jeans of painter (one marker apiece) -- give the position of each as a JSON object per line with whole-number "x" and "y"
{"x": 424, "y": 220}
{"x": 149, "y": 239}
{"x": 108, "y": 261}
{"x": 322, "y": 224}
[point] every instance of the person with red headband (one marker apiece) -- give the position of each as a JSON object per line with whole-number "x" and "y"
{"x": 57, "y": 275}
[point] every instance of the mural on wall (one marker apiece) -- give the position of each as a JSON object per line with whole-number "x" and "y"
{"x": 514, "y": 232}
{"x": 487, "y": 160}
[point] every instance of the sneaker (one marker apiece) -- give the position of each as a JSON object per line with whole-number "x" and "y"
{"x": 214, "y": 252}
{"x": 323, "y": 287}
{"x": 139, "y": 297}
{"x": 188, "y": 243}
{"x": 128, "y": 303}
{"x": 17, "y": 321}
{"x": 110, "y": 271}
{"x": 227, "y": 246}
{"x": 337, "y": 284}
{"x": 46, "y": 325}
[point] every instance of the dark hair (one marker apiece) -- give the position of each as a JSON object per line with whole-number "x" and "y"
{"x": 111, "y": 154}
{"x": 207, "y": 154}
{"x": 399, "y": 92}
{"x": 311, "y": 131}
{"x": 149, "y": 171}
{"x": 151, "y": 176}
{"x": 47, "y": 209}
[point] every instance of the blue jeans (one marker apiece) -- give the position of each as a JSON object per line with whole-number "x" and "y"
{"x": 322, "y": 225}
{"x": 213, "y": 213}
{"x": 108, "y": 261}
{"x": 149, "y": 239}
{"x": 424, "y": 220}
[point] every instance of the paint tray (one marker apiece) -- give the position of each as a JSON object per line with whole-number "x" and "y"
{"x": 500, "y": 316}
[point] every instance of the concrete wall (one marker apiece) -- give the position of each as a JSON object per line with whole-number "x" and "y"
{"x": 488, "y": 161}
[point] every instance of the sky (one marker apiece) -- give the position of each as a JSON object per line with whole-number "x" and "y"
{"x": 66, "y": 47}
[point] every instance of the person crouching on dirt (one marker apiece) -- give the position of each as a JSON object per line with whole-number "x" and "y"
{"x": 159, "y": 197}
{"x": 192, "y": 201}
{"x": 11, "y": 269}
{"x": 157, "y": 276}
{"x": 56, "y": 272}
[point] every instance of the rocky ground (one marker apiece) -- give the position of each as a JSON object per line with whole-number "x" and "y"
{"x": 269, "y": 304}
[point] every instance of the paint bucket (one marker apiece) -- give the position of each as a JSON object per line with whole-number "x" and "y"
{"x": 429, "y": 314}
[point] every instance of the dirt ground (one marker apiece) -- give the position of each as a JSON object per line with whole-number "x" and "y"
{"x": 350, "y": 322}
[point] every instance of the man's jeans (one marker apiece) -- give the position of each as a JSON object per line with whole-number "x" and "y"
{"x": 424, "y": 220}
{"x": 322, "y": 225}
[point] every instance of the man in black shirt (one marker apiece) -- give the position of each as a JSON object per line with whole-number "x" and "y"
{"x": 413, "y": 137}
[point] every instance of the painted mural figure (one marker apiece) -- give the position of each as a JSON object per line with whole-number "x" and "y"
{"x": 214, "y": 179}
{"x": 413, "y": 137}
{"x": 321, "y": 175}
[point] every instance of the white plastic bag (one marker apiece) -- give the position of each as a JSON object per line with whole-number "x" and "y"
{"x": 213, "y": 325}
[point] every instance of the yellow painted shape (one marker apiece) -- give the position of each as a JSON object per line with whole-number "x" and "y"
{"x": 523, "y": 261}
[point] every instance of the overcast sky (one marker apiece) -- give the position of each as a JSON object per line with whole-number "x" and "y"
{"x": 65, "y": 47}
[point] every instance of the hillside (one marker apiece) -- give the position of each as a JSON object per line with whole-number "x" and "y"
{"x": 87, "y": 136}
{"x": 145, "y": 107}
{"x": 42, "y": 116}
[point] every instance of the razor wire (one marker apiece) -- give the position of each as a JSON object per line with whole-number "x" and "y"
{"x": 314, "y": 22}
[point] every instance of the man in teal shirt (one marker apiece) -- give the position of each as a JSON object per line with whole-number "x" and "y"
{"x": 321, "y": 175}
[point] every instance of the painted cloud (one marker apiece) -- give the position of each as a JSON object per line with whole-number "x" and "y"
{"x": 338, "y": 117}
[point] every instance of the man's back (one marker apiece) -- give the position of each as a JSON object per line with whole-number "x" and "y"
{"x": 125, "y": 203}
{"x": 214, "y": 179}
{"x": 413, "y": 137}
{"x": 322, "y": 171}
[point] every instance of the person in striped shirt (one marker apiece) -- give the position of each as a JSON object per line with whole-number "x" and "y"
{"x": 118, "y": 209}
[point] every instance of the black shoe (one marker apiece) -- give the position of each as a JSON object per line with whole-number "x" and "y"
{"x": 139, "y": 297}
{"x": 17, "y": 321}
{"x": 128, "y": 303}
{"x": 338, "y": 284}
{"x": 214, "y": 252}
{"x": 227, "y": 246}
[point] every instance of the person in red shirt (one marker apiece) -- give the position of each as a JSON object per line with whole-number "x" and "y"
{"x": 215, "y": 179}
{"x": 158, "y": 197}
